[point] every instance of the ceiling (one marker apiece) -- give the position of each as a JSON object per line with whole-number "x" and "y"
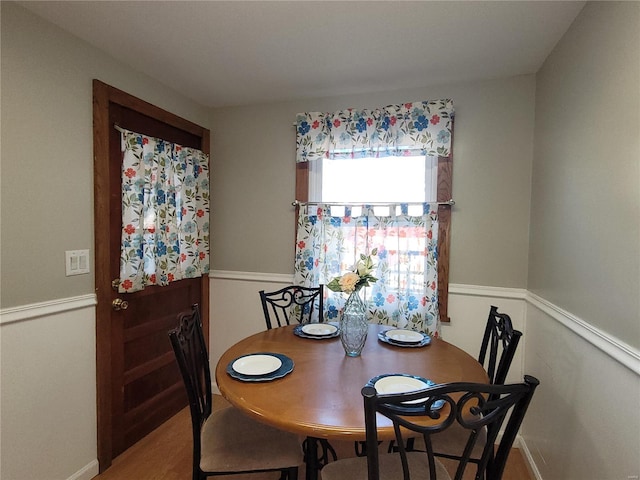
{"x": 223, "y": 53}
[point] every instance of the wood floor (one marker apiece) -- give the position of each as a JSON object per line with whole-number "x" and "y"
{"x": 165, "y": 454}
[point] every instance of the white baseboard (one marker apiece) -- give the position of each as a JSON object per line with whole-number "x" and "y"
{"x": 528, "y": 458}
{"x": 87, "y": 472}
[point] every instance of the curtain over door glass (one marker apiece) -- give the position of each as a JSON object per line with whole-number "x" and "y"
{"x": 165, "y": 212}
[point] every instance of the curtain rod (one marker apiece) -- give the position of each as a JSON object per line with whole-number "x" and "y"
{"x": 296, "y": 203}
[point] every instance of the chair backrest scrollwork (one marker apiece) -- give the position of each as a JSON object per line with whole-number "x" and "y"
{"x": 293, "y": 303}
{"x": 470, "y": 406}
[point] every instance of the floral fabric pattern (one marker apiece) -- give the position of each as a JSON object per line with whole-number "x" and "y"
{"x": 406, "y": 293}
{"x": 410, "y": 129}
{"x": 165, "y": 212}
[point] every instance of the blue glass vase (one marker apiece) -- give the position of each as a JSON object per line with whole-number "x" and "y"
{"x": 353, "y": 325}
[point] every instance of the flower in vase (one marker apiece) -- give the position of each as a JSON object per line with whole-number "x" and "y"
{"x": 348, "y": 281}
{"x": 360, "y": 276}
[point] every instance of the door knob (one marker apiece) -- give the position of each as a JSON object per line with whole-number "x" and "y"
{"x": 119, "y": 304}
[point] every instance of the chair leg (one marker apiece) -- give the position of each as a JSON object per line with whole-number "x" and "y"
{"x": 409, "y": 447}
{"x": 290, "y": 473}
{"x": 361, "y": 448}
{"x": 327, "y": 449}
{"x": 328, "y": 452}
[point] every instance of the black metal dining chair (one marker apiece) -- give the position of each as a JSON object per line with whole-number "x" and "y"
{"x": 293, "y": 303}
{"x": 471, "y": 407}
{"x": 497, "y": 350}
{"x": 225, "y": 441}
{"x": 499, "y": 345}
{"x": 302, "y": 305}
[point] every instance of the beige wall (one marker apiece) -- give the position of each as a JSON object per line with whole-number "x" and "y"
{"x": 47, "y": 151}
{"x": 47, "y": 353}
{"x": 253, "y": 151}
{"x": 585, "y": 252}
{"x": 585, "y": 219}
{"x": 46, "y": 76}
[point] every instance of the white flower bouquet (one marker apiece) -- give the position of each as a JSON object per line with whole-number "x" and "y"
{"x": 360, "y": 276}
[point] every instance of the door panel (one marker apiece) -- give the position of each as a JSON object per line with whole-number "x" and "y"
{"x": 138, "y": 381}
{"x": 148, "y": 366}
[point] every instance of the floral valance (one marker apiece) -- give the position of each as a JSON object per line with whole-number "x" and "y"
{"x": 419, "y": 128}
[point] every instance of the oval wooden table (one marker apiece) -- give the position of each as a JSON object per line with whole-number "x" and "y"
{"x": 320, "y": 398}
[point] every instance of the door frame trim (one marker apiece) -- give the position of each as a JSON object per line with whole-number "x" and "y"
{"x": 103, "y": 96}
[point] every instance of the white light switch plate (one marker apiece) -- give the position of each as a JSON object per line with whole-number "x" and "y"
{"x": 77, "y": 262}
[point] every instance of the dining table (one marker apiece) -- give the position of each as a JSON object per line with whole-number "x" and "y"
{"x": 315, "y": 389}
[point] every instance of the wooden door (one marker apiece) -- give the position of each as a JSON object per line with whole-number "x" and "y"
{"x": 138, "y": 381}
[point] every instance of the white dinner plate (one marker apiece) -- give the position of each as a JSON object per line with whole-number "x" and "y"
{"x": 319, "y": 329}
{"x": 403, "y": 384}
{"x": 259, "y": 364}
{"x": 404, "y": 336}
{"x": 399, "y": 384}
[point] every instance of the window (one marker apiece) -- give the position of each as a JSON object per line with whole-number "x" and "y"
{"x": 333, "y": 150}
{"x": 312, "y": 183}
{"x": 386, "y": 179}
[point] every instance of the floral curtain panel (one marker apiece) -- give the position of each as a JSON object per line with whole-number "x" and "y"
{"x": 419, "y": 128}
{"x": 165, "y": 212}
{"x": 329, "y": 243}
